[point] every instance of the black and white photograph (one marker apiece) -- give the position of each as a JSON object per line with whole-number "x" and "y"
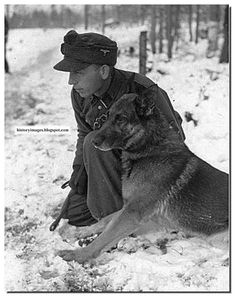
{"x": 117, "y": 147}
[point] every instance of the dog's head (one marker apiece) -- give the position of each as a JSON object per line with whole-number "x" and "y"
{"x": 131, "y": 120}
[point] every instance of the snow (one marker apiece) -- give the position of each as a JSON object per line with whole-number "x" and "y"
{"x": 37, "y": 164}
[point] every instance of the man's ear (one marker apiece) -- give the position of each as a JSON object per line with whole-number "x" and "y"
{"x": 104, "y": 71}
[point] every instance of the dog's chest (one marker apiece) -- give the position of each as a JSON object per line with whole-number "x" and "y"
{"x": 135, "y": 183}
{"x": 146, "y": 196}
{"x": 129, "y": 188}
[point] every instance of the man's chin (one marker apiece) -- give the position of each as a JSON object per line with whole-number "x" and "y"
{"x": 82, "y": 93}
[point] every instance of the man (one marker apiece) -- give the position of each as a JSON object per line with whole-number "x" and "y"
{"x": 96, "y": 179}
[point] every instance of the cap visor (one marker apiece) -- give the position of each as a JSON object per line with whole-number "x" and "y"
{"x": 69, "y": 65}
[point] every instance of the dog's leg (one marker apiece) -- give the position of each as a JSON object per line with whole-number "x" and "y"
{"x": 122, "y": 225}
{"x": 72, "y": 233}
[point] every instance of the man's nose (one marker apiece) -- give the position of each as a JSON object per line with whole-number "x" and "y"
{"x": 72, "y": 79}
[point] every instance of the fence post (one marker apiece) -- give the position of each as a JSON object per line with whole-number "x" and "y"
{"x": 142, "y": 52}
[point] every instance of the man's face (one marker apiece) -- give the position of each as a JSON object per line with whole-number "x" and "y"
{"x": 86, "y": 81}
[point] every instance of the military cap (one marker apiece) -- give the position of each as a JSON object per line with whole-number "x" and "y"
{"x": 81, "y": 50}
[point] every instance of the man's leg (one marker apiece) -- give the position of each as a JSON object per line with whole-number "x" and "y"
{"x": 78, "y": 212}
{"x": 104, "y": 179}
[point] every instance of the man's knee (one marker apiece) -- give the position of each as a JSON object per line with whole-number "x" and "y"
{"x": 77, "y": 211}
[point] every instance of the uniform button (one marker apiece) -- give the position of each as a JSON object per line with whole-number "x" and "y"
{"x": 99, "y": 107}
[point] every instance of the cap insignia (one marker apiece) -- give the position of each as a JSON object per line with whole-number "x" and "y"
{"x": 105, "y": 52}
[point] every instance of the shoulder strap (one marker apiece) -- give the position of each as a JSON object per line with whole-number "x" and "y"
{"x": 143, "y": 80}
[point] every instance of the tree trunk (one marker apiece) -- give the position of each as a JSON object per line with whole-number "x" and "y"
{"x": 6, "y": 30}
{"x": 59, "y": 20}
{"x": 142, "y": 13}
{"x": 190, "y": 13}
{"x": 161, "y": 11}
{"x": 213, "y": 30}
{"x": 153, "y": 29}
{"x": 224, "y": 57}
{"x": 197, "y": 23}
{"x": 7, "y": 11}
{"x": 118, "y": 13}
{"x": 176, "y": 25}
{"x": 169, "y": 30}
{"x": 103, "y": 18}
{"x": 86, "y": 16}
{"x": 142, "y": 52}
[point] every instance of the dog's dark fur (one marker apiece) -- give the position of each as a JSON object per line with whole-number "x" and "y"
{"x": 162, "y": 178}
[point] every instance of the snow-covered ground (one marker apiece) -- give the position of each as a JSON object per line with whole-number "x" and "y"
{"x": 37, "y": 164}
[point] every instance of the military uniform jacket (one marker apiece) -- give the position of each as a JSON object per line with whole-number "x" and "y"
{"x": 92, "y": 112}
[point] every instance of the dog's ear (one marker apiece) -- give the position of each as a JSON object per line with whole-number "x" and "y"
{"x": 145, "y": 103}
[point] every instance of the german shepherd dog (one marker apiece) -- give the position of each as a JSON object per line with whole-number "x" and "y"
{"x": 162, "y": 179}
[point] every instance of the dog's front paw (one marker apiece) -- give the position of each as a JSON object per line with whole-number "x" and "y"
{"x": 77, "y": 255}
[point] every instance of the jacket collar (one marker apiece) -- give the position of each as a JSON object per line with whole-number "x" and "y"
{"x": 117, "y": 81}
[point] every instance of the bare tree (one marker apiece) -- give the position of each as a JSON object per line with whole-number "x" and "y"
{"x": 7, "y": 11}
{"x": 161, "y": 12}
{"x": 118, "y": 13}
{"x": 103, "y": 19}
{"x": 177, "y": 24}
{"x": 224, "y": 57}
{"x": 86, "y": 16}
{"x": 153, "y": 29}
{"x": 6, "y": 29}
{"x": 197, "y": 23}
{"x": 142, "y": 13}
{"x": 54, "y": 16}
{"x": 190, "y": 16}
{"x": 213, "y": 30}
{"x": 169, "y": 25}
